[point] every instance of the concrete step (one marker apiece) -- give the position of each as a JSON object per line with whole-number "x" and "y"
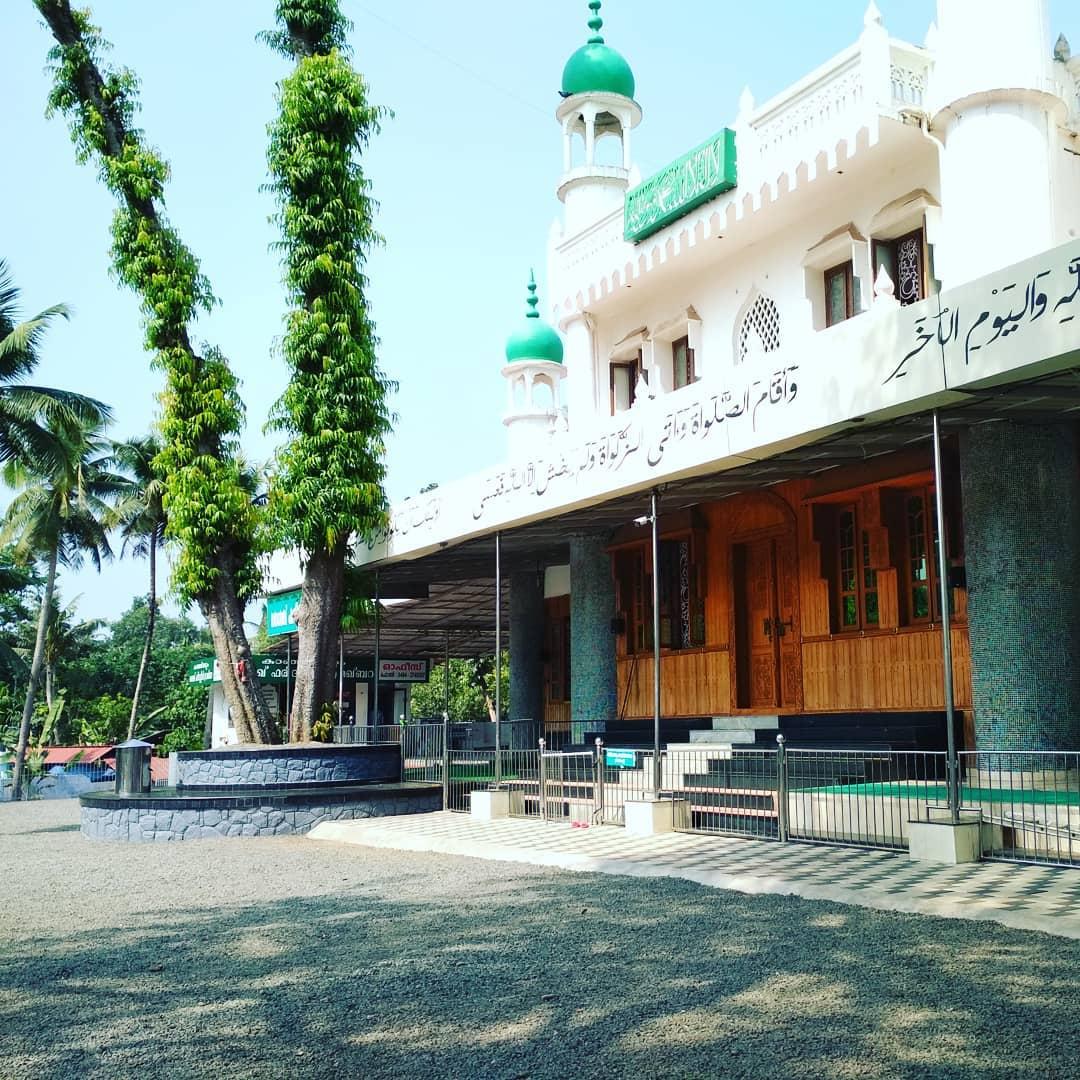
{"x": 723, "y": 736}
{"x": 744, "y": 723}
{"x": 709, "y": 749}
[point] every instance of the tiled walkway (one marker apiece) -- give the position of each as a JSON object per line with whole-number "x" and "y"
{"x": 1027, "y": 897}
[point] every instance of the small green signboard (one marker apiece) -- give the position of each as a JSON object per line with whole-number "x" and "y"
{"x": 201, "y": 671}
{"x": 281, "y": 613}
{"x": 685, "y": 184}
{"x": 620, "y": 759}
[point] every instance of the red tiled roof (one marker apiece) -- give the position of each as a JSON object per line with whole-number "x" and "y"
{"x": 65, "y": 755}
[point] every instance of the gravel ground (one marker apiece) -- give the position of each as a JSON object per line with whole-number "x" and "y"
{"x": 291, "y": 958}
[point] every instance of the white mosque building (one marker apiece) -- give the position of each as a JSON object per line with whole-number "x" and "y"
{"x": 853, "y": 304}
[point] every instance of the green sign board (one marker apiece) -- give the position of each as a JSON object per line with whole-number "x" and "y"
{"x": 201, "y": 671}
{"x": 686, "y": 183}
{"x": 620, "y": 759}
{"x": 281, "y": 613}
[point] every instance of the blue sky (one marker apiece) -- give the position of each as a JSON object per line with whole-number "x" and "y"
{"x": 465, "y": 174}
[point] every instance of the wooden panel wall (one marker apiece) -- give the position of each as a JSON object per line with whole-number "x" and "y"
{"x": 884, "y": 671}
{"x": 691, "y": 684}
{"x": 898, "y": 670}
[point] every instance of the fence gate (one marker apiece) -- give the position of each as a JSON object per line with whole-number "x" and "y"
{"x": 567, "y": 786}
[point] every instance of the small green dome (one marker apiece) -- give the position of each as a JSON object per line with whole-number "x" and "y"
{"x": 535, "y": 340}
{"x": 596, "y": 67}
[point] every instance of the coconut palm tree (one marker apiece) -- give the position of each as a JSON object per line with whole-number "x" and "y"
{"x": 26, "y": 411}
{"x": 59, "y": 516}
{"x": 140, "y": 515}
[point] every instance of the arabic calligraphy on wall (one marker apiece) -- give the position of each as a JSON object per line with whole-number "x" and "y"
{"x": 641, "y": 433}
{"x": 953, "y": 333}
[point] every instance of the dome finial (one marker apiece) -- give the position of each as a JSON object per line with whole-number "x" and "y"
{"x": 532, "y": 300}
{"x": 595, "y": 23}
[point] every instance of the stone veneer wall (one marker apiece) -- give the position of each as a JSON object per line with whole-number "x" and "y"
{"x": 282, "y": 766}
{"x": 592, "y": 645}
{"x": 185, "y": 820}
{"x": 527, "y": 646}
{"x": 1021, "y": 500}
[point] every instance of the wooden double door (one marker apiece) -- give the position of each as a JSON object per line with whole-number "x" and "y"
{"x": 768, "y": 652}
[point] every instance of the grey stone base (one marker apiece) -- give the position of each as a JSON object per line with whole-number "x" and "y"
{"x": 288, "y": 765}
{"x": 183, "y": 819}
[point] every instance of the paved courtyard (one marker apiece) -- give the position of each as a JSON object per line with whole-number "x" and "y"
{"x": 292, "y": 958}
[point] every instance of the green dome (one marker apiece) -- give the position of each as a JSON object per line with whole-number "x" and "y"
{"x": 596, "y": 67}
{"x": 535, "y": 340}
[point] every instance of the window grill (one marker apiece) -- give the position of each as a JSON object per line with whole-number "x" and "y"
{"x": 759, "y": 333}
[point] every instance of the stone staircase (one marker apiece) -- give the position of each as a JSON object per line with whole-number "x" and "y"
{"x": 731, "y": 731}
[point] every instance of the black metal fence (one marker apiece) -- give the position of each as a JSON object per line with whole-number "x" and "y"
{"x": 1028, "y": 802}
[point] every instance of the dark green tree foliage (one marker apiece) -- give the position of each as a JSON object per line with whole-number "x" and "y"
{"x": 207, "y": 491}
{"x": 329, "y": 484}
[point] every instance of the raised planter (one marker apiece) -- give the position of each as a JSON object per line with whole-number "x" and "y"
{"x": 260, "y": 791}
{"x": 288, "y": 766}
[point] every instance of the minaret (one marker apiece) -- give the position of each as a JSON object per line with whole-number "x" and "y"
{"x": 598, "y": 107}
{"x": 533, "y": 371}
{"x": 993, "y": 106}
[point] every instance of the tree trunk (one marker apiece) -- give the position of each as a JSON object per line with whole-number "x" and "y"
{"x": 50, "y": 680}
{"x": 35, "y": 677}
{"x": 151, "y": 618}
{"x": 319, "y": 626}
{"x": 224, "y": 615}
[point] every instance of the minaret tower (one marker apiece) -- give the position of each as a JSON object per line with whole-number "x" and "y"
{"x": 994, "y": 108}
{"x": 533, "y": 371}
{"x": 598, "y": 107}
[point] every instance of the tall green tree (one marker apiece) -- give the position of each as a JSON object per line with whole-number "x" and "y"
{"x": 141, "y": 518}
{"x": 59, "y": 517}
{"x": 25, "y": 410}
{"x": 207, "y": 489}
{"x": 66, "y": 639}
{"x": 328, "y": 487}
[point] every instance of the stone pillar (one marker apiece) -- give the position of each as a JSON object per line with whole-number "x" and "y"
{"x": 592, "y": 644}
{"x": 526, "y": 646}
{"x": 1021, "y": 502}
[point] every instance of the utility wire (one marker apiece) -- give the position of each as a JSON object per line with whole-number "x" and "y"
{"x": 454, "y": 63}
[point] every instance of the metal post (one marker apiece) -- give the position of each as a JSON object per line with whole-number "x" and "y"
{"x": 781, "y": 789}
{"x": 375, "y": 672}
{"x": 598, "y": 782}
{"x": 446, "y": 761}
{"x": 446, "y": 678}
{"x": 542, "y": 773}
{"x": 498, "y": 656}
{"x": 655, "y": 519}
{"x": 341, "y": 678}
{"x": 288, "y": 681}
{"x": 952, "y": 767}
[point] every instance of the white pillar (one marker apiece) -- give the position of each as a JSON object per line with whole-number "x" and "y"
{"x": 589, "y": 116}
{"x": 567, "y": 145}
{"x": 579, "y": 360}
{"x": 992, "y": 107}
{"x": 624, "y": 128}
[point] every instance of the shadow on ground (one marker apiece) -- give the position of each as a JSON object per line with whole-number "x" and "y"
{"x": 419, "y": 965}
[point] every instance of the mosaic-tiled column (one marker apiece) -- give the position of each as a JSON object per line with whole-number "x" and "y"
{"x": 527, "y": 646}
{"x": 592, "y": 645}
{"x": 1021, "y": 502}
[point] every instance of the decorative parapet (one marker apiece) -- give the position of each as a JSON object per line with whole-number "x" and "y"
{"x": 834, "y": 111}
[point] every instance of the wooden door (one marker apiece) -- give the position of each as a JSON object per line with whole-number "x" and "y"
{"x": 786, "y": 623}
{"x": 761, "y": 638}
{"x": 769, "y": 669}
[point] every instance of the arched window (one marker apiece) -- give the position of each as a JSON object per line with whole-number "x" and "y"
{"x": 759, "y": 331}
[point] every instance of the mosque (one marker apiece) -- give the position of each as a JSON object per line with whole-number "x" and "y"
{"x": 830, "y": 354}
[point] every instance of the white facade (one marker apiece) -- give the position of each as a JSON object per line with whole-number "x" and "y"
{"x": 969, "y": 140}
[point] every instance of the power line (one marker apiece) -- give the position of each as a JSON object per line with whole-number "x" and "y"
{"x": 454, "y": 63}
